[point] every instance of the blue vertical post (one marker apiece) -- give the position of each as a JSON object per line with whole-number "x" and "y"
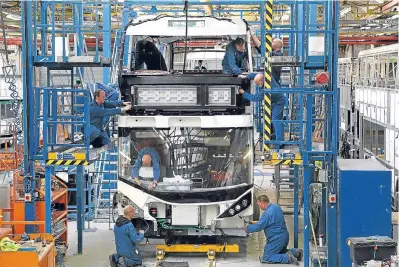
{"x": 77, "y": 25}
{"x": 323, "y": 209}
{"x": 43, "y": 30}
{"x": 125, "y": 21}
{"x": 333, "y": 8}
{"x": 296, "y": 205}
{"x": 106, "y": 40}
{"x": 28, "y": 112}
{"x": 48, "y": 172}
{"x": 80, "y": 206}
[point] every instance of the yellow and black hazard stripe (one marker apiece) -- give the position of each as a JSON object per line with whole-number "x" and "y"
{"x": 268, "y": 78}
{"x": 67, "y": 162}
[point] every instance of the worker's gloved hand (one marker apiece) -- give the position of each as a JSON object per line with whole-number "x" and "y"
{"x": 153, "y": 185}
{"x": 247, "y": 25}
{"x": 241, "y": 91}
{"x": 128, "y": 107}
{"x": 242, "y": 76}
{"x": 127, "y": 103}
{"x": 138, "y": 182}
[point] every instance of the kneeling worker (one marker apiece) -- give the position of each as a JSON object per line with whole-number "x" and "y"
{"x": 126, "y": 241}
{"x": 273, "y": 224}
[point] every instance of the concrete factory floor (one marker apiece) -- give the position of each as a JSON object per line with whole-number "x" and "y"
{"x": 98, "y": 245}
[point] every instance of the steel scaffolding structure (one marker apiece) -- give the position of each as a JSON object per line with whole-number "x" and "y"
{"x": 312, "y": 23}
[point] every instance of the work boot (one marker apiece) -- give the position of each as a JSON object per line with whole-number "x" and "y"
{"x": 299, "y": 254}
{"x": 292, "y": 258}
{"x": 112, "y": 262}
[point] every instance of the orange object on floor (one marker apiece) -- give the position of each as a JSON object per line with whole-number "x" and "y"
{"x": 44, "y": 258}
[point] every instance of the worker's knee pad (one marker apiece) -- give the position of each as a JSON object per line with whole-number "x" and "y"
{"x": 126, "y": 262}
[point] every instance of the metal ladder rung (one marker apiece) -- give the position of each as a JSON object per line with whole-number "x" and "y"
{"x": 286, "y": 190}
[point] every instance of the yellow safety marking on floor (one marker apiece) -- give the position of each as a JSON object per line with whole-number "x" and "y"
{"x": 183, "y": 248}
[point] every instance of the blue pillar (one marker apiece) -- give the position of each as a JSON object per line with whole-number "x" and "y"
{"x": 106, "y": 40}
{"x": 48, "y": 198}
{"x": 80, "y": 199}
{"x": 296, "y": 206}
{"x": 77, "y": 26}
{"x": 125, "y": 21}
{"x": 31, "y": 134}
{"x": 333, "y": 8}
{"x": 43, "y": 31}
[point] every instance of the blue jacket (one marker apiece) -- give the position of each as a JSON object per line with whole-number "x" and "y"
{"x": 127, "y": 239}
{"x": 276, "y": 71}
{"x": 98, "y": 112}
{"x": 233, "y": 60}
{"x": 276, "y": 98}
{"x": 154, "y": 160}
{"x": 272, "y": 223}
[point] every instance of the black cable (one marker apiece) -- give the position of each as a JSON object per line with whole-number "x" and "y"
{"x": 186, "y": 35}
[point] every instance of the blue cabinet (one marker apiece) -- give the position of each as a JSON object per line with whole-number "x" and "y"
{"x": 364, "y": 202}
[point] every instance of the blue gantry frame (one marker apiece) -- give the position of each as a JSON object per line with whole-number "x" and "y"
{"x": 304, "y": 23}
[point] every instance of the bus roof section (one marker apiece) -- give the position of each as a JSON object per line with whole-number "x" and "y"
{"x": 198, "y": 27}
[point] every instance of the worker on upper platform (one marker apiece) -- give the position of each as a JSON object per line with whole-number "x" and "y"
{"x": 126, "y": 241}
{"x": 277, "y": 45}
{"x": 147, "y": 157}
{"x": 278, "y": 102}
{"x": 99, "y": 109}
{"x": 273, "y": 224}
{"x": 234, "y": 58}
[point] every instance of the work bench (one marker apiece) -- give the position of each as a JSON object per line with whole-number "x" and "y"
{"x": 33, "y": 254}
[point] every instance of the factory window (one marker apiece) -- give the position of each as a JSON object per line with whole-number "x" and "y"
{"x": 374, "y": 138}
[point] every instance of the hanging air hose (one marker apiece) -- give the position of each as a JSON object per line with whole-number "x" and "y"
{"x": 9, "y": 74}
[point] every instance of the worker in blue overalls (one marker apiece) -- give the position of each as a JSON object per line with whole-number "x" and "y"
{"x": 234, "y": 59}
{"x": 278, "y": 102}
{"x": 147, "y": 157}
{"x": 126, "y": 241}
{"x": 99, "y": 109}
{"x": 273, "y": 224}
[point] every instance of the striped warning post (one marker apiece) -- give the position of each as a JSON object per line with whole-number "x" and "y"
{"x": 268, "y": 79}
{"x": 67, "y": 162}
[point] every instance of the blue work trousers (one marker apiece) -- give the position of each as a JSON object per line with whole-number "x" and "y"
{"x": 98, "y": 138}
{"x": 275, "y": 250}
{"x": 277, "y": 114}
{"x": 128, "y": 261}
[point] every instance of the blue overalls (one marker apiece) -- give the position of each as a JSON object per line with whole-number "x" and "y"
{"x": 278, "y": 104}
{"x": 98, "y": 136}
{"x": 273, "y": 224}
{"x": 126, "y": 241}
{"x": 154, "y": 160}
{"x": 233, "y": 60}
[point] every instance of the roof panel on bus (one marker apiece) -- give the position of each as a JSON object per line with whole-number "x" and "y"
{"x": 199, "y": 27}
